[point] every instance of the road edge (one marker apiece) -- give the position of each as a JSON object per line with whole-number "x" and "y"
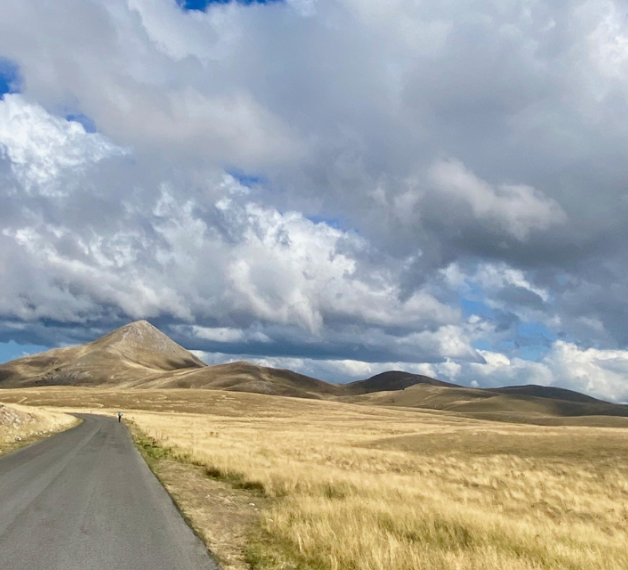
{"x": 151, "y": 454}
{"x": 34, "y": 438}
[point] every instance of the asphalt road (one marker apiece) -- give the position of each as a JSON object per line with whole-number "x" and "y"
{"x": 86, "y": 500}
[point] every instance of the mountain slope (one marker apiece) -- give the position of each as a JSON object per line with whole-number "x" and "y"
{"x": 245, "y": 377}
{"x": 491, "y": 404}
{"x": 135, "y": 351}
{"x": 547, "y": 392}
{"x": 140, "y": 356}
{"x": 390, "y": 381}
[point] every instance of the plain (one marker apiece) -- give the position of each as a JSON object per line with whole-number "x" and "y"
{"x": 367, "y": 487}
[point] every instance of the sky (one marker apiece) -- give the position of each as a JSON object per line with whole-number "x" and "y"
{"x": 339, "y": 187}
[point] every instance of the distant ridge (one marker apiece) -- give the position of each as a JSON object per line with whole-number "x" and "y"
{"x": 492, "y": 404}
{"x": 140, "y": 356}
{"x": 245, "y": 377}
{"x": 391, "y": 381}
{"x": 547, "y": 392}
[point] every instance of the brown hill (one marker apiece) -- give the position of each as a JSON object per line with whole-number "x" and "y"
{"x": 391, "y": 381}
{"x": 547, "y": 392}
{"x": 245, "y": 377}
{"x": 135, "y": 351}
{"x": 140, "y": 356}
{"x": 491, "y": 404}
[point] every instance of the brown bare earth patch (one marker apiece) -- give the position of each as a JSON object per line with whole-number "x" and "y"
{"x": 223, "y": 516}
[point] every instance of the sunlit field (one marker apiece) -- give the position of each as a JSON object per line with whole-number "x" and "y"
{"x": 22, "y": 424}
{"x": 368, "y": 488}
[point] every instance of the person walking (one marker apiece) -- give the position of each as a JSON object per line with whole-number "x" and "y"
{"x": 119, "y": 417}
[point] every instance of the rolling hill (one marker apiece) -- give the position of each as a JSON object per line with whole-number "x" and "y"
{"x": 140, "y": 356}
{"x": 244, "y": 377}
{"x": 515, "y": 404}
{"x": 547, "y": 392}
{"x": 392, "y": 380}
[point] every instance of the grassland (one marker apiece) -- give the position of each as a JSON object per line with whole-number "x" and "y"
{"x": 21, "y": 425}
{"x": 369, "y": 488}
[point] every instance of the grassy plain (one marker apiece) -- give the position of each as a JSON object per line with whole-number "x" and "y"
{"x": 350, "y": 487}
{"x": 21, "y": 425}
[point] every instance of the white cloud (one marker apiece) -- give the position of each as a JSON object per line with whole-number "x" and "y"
{"x": 344, "y": 110}
{"x": 599, "y": 373}
{"x": 448, "y": 341}
{"x": 517, "y": 209}
{"x": 227, "y": 334}
{"x": 45, "y": 152}
{"x": 498, "y": 276}
{"x": 211, "y": 256}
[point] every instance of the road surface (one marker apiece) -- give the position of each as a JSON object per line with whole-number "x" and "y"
{"x": 85, "y": 500}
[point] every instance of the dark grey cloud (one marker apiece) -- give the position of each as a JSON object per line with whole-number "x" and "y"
{"x": 444, "y": 151}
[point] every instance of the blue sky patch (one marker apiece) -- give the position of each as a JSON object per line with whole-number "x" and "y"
{"x": 533, "y": 352}
{"x": 12, "y": 350}
{"x": 470, "y": 307}
{"x": 482, "y": 345}
{"x": 202, "y": 4}
{"x": 247, "y": 179}
{"x": 329, "y": 221}
{"x": 9, "y": 77}
{"x": 534, "y": 340}
{"x": 536, "y": 331}
{"x": 88, "y": 124}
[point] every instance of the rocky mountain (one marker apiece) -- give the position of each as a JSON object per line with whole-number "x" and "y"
{"x": 140, "y": 356}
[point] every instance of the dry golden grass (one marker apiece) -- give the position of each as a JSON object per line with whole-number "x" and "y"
{"x": 370, "y": 488}
{"x": 359, "y": 490}
{"x": 20, "y": 425}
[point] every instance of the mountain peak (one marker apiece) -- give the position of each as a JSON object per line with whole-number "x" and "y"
{"x": 132, "y": 353}
{"x": 140, "y": 334}
{"x": 138, "y": 339}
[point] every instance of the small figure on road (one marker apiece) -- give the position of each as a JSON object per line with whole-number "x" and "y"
{"x": 119, "y": 417}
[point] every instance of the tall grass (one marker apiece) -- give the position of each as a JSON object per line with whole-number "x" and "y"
{"x": 374, "y": 489}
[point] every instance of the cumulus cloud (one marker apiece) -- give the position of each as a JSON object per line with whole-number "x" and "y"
{"x": 336, "y": 181}
{"x": 216, "y": 257}
{"x": 45, "y": 152}
{"x": 334, "y": 370}
{"x": 600, "y": 373}
{"x": 517, "y": 209}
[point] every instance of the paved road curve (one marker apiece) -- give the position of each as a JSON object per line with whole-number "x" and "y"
{"x": 85, "y": 500}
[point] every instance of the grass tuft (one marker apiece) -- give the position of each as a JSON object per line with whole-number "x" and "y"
{"x": 234, "y": 478}
{"x": 150, "y": 448}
